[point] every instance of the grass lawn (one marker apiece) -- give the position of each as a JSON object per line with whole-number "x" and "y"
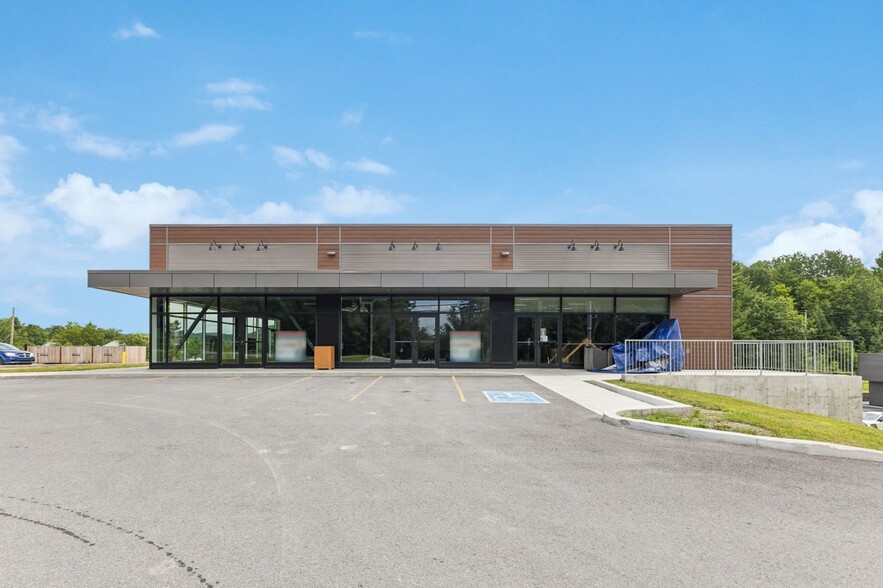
{"x": 70, "y": 368}
{"x": 730, "y": 414}
{"x": 866, "y": 386}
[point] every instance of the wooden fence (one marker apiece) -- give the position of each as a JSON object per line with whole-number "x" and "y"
{"x": 86, "y": 354}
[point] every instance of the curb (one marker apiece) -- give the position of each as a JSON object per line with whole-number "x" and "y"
{"x": 818, "y": 448}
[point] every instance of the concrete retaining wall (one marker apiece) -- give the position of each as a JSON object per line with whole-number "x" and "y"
{"x": 838, "y": 397}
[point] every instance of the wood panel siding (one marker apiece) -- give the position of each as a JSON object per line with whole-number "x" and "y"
{"x": 719, "y": 257}
{"x": 706, "y": 234}
{"x": 498, "y": 261}
{"x": 584, "y": 258}
{"x": 245, "y": 233}
{"x": 325, "y": 261}
{"x": 329, "y": 234}
{"x": 606, "y": 234}
{"x": 158, "y": 259}
{"x": 704, "y": 317}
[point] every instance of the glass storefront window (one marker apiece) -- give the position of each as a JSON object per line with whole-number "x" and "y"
{"x": 657, "y": 305}
{"x": 365, "y": 330}
{"x": 594, "y": 304}
{"x": 291, "y": 329}
{"x": 192, "y": 330}
{"x": 537, "y": 304}
{"x": 464, "y": 330}
{"x": 415, "y": 305}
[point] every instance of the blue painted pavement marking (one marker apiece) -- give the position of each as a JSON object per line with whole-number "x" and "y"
{"x": 515, "y": 397}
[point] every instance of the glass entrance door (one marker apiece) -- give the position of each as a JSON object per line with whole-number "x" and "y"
{"x": 242, "y": 340}
{"x": 536, "y": 340}
{"x": 416, "y": 340}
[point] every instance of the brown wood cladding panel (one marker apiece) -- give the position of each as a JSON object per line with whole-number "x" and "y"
{"x": 502, "y": 234}
{"x": 245, "y": 233}
{"x": 158, "y": 256}
{"x": 328, "y": 262}
{"x": 157, "y": 248}
{"x": 588, "y": 234}
{"x": 701, "y": 234}
{"x": 329, "y": 234}
{"x": 498, "y": 262}
{"x": 410, "y": 233}
{"x": 719, "y": 257}
{"x": 703, "y": 318}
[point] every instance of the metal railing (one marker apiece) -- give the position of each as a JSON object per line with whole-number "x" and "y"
{"x": 806, "y": 357}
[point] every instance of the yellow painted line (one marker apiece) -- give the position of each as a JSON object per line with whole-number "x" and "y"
{"x": 459, "y": 389}
{"x": 274, "y": 388}
{"x": 366, "y": 388}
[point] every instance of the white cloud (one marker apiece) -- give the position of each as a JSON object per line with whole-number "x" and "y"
{"x": 210, "y": 133}
{"x": 870, "y": 204}
{"x": 282, "y": 212}
{"x": 287, "y": 157}
{"x": 56, "y": 122}
{"x": 119, "y": 218}
{"x": 369, "y": 166}
{"x": 60, "y": 122}
{"x": 102, "y": 146}
{"x": 233, "y": 86}
{"x": 241, "y": 101}
{"x": 319, "y": 159}
{"x": 351, "y": 118}
{"x": 9, "y": 148}
{"x": 389, "y": 37}
{"x": 810, "y": 236}
{"x": 237, "y": 94}
{"x": 350, "y": 201}
{"x": 853, "y": 165}
{"x": 820, "y": 209}
{"x": 813, "y": 239}
{"x": 136, "y": 30}
{"x": 388, "y": 140}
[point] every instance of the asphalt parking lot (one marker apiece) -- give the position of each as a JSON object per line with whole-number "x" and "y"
{"x": 399, "y": 480}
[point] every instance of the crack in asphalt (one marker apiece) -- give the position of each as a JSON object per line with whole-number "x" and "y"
{"x": 179, "y": 562}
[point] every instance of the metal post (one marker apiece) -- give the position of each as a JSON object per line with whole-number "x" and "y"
{"x": 715, "y": 356}
{"x": 625, "y": 357}
{"x": 760, "y": 357}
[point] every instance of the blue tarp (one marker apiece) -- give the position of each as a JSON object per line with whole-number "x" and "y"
{"x": 659, "y": 356}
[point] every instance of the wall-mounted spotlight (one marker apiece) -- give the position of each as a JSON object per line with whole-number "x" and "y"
{"x": 213, "y": 246}
{"x": 331, "y": 253}
{"x": 504, "y": 253}
{"x": 414, "y": 246}
{"x": 237, "y": 246}
{"x": 261, "y": 246}
{"x": 596, "y": 246}
{"x": 619, "y": 246}
{"x": 572, "y": 246}
{"x": 392, "y": 246}
{"x": 438, "y": 246}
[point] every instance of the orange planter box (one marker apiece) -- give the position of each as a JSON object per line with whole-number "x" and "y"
{"x": 323, "y": 358}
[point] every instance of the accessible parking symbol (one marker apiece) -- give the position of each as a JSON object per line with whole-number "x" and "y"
{"x": 514, "y": 397}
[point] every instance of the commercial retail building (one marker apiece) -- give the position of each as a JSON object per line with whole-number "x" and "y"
{"x": 422, "y": 295}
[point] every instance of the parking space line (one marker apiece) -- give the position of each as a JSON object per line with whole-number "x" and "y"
{"x": 459, "y": 389}
{"x": 274, "y": 388}
{"x": 366, "y": 387}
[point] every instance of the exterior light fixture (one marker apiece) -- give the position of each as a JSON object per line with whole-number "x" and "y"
{"x": 392, "y": 246}
{"x": 261, "y": 246}
{"x": 414, "y": 246}
{"x": 438, "y": 246}
{"x": 619, "y": 246}
{"x": 331, "y": 253}
{"x": 237, "y": 246}
{"x": 596, "y": 246}
{"x": 504, "y": 253}
{"x": 213, "y": 246}
{"x": 572, "y": 246}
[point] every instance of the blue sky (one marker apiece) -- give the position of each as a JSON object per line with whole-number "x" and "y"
{"x": 761, "y": 115}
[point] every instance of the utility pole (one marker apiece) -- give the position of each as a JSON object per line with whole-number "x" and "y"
{"x": 12, "y": 328}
